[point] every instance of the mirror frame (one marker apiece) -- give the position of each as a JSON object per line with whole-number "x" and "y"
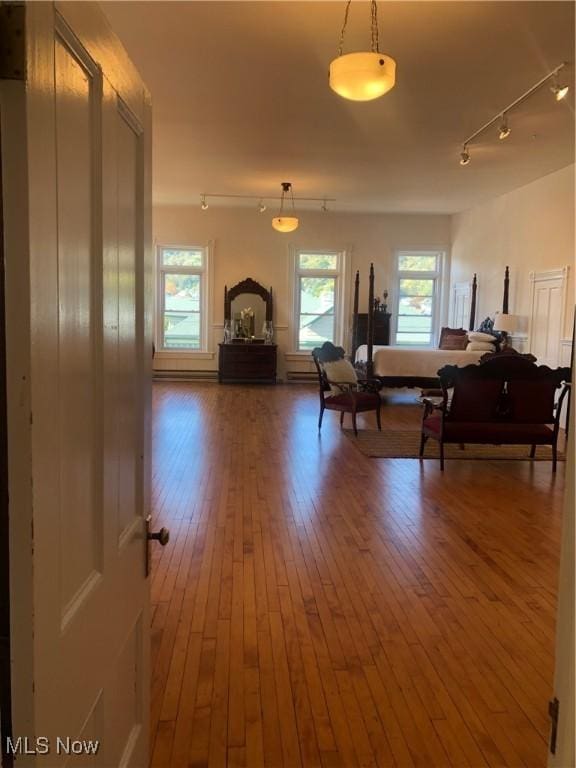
{"x": 247, "y": 286}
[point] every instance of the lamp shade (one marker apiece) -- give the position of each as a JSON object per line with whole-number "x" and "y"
{"x": 285, "y": 223}
{"x": 362, "y": 76}
{"x": 505, "y": 323}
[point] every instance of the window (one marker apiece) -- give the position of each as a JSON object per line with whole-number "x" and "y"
{"x": 418, "y": 282}
{"x": 182, "y": 298}
{"x": 318, "y": 298}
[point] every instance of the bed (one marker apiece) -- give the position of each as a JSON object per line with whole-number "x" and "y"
{"x": 404, "y": 366}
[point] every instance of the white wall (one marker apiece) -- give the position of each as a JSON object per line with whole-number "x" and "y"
{"x": 245, "y": 245}
{"x": 531, "y": 228}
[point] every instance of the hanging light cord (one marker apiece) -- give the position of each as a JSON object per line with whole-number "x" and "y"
{"x": 375, "y": 43}
{"x": 374, "y": 27}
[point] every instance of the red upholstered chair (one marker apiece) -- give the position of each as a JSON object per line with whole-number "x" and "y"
{"x": 347, "y": 395}
{"x": 506, "y": 399}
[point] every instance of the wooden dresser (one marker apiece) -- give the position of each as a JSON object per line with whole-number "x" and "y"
{"x": 247, "y": 363}
{"x": 381, "y": 328}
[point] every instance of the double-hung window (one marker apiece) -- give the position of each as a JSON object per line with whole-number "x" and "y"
{"x": 182, "y": 298}
{"x": 418, "y": 289}
{"x": 318, "y": 298}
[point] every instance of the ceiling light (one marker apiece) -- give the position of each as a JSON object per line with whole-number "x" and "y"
{"x": 203, "y": 203}
{"x": 365, "y": 75}
{"x": 283, "y": 223}
{"x": 464, "y": 156}
{"x": 324, "y": 207}
{"x": 504, "y": 128}
{"x": 261, "y": 206}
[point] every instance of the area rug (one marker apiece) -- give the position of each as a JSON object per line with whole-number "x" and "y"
{"x": 391, "y": 444}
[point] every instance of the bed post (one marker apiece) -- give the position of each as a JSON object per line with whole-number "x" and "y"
{"x": 506, "y": 291}
{"x": 370, "y": 325}
{"x": 355, "y": 318}
{"x": 473, "y": 304}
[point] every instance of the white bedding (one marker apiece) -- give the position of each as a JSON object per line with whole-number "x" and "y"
{"x": 401, "y": 361}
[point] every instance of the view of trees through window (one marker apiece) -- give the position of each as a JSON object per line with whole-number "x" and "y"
{"x": 316, "y": 298}
{"x": 181, "y": 297}
{"x": 417, "y": 288}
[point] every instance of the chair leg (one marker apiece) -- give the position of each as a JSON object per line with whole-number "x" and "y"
{"x": 378, "y": 420}
{"x": 341, "y": 418}
{"x": 423, "y": 439}
{"x": 532, "y": 451}
{"x": 554, "y": 457}
{"x": 441, "y": 456}
{"x": 354, "y": 423}
{"x": 320, "y": 419}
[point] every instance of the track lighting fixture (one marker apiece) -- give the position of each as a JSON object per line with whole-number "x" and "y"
{"x": 365, "y": 75}
{"x": 283, "y": 223}
{"x": 504, "y": 130}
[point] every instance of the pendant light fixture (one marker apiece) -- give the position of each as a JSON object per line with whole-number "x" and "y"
{"x": 283, "y": 223}
{"x": 365, "y": 75}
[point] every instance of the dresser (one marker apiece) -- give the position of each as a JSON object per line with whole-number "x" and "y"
{"x": 247, "y": 362}
{"x": 381, "y": 328}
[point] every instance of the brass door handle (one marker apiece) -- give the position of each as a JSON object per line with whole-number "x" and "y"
{"x": 162, "y": 536}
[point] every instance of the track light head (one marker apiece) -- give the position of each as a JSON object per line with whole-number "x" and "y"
{"x": 560, "y": 91}
{"x": 504, "y": 128}
{"x": 261, "y": 206}
{"x": 203, "y": 203}
{"x": 324, "y": 207}
{"x": 464, "y": 156}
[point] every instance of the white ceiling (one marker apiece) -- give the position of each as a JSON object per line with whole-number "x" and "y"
{"x": 241, "y": 99}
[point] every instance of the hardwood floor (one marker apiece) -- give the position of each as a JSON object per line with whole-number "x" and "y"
{"x": 315, "y": 607}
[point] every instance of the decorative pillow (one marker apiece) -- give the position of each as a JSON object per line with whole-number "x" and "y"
{"x": 453, "y": 341}
{"x": 479, "y": 336}
{"x": 480, "y": 346}
{"x": 341, "y": 371}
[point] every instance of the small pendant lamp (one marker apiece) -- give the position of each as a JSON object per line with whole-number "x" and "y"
{"x": 285, "y": 223}
{"x": 366, "y": 75}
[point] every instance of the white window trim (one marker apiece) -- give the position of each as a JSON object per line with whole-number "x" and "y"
{"x": 439, "y": 308}
{"x": 206, "y": 351}
{"x": 342, "y": 296}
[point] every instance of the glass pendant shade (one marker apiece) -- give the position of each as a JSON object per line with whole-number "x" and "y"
{"x": 285, "y": 223}
{"x": 362, "y": 76}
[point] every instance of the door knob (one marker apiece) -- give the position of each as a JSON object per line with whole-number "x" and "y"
{"x": 162, "y": 536}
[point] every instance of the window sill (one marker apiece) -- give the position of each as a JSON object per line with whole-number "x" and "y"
{"x": 167, "y": 354}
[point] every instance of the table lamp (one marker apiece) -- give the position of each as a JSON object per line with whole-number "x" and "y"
{"x": 505, "y": 324}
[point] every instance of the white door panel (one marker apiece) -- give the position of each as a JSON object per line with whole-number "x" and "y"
{"x": 78, "y": 394}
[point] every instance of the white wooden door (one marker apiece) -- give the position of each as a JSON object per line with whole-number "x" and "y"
{"x": 77, "y": 208}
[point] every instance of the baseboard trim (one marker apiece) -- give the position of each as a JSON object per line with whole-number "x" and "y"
{"x": 165, "y": 375}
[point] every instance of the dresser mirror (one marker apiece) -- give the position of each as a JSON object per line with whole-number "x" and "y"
{"x": 247, "y": 312}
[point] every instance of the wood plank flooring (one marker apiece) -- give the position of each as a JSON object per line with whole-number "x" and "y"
{"x": 318, "y": 608}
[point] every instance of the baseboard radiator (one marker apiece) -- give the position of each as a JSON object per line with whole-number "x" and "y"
{"x": 302, "y": 377}
{"x": 185, "y": 376}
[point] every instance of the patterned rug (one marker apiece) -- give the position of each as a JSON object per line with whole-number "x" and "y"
{"x": 390, "y": 444}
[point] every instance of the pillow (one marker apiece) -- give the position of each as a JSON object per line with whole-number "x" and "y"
{"x": 480, "y": 346}
{"x": 341, "y": 371}
{"x": 479, "y": 336}
{"x": 453, "y": 341}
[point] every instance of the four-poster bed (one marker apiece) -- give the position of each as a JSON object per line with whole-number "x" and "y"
{"x": 404, "y": 366}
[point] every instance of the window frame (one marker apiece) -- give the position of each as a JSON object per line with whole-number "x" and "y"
{"x": 437, "y": 276}
{"x": 205, "y": 284}
{"x": 340, "y": 297}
